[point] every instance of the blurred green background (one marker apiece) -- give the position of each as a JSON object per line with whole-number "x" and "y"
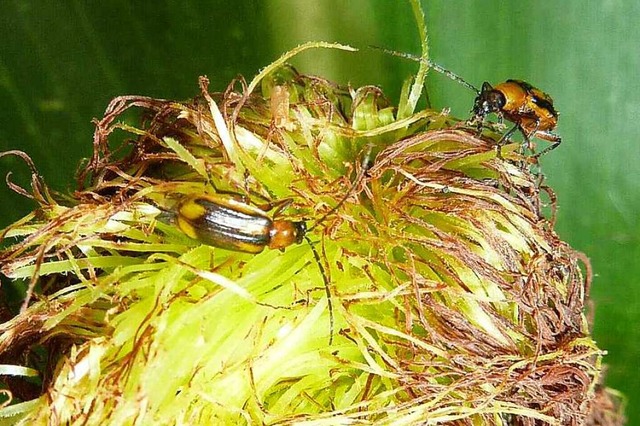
{"x": 61, "y": 63}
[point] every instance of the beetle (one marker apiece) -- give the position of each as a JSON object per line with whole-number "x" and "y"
{"x": 529, "y": 108}
{"x": 227, "y": 223}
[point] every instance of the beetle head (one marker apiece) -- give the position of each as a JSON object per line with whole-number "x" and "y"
{"x": 489, "y": 100}
{"x": 300, "y": 231}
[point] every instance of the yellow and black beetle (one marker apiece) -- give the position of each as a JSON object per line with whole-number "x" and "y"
{"x": 529, "y": 108}
{"x": 227, "y": 223}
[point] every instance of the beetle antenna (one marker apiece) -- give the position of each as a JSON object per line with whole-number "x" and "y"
{"x": 431, "y": 64}
{"x": 327, "y": 289}
{"x": 364, "y": 166}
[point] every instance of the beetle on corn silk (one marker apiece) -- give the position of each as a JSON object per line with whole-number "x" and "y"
{"x": 530, "y": 109}
{"x": 230, "y": 224}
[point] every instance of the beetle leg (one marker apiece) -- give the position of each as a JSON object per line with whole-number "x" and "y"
{"x": 479, "y": 125}
{"x": 279, "y": 205}
{"x": 503, "y": 140}
{"x": 327, "y": 288}
{"x": 476, "y": 121}
{"x": 552, "y": 137}
{"x": 531, "y": 134}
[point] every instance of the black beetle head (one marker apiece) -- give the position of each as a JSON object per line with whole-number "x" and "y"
{"x": 300, "y": 231}
{"x": 489, "y": 100}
